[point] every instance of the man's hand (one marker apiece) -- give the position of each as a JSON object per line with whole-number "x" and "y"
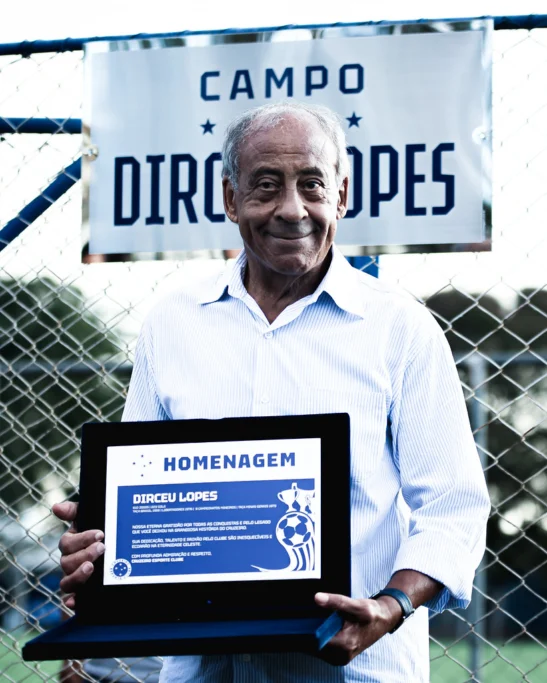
{"x": 365, "y": 622}
{"x": 78, "y": 552}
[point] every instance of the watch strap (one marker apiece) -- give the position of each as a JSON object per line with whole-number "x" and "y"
{"x": 403, "y": 600}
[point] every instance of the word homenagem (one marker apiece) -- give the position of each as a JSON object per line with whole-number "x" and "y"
{"x": 225, "y": 462}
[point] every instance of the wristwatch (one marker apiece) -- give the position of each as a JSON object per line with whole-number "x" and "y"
{"x": 403, "y": 600}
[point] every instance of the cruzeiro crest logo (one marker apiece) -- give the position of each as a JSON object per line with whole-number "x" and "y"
{"x": 120, "y": 569}
{"x": 296, "y": 529}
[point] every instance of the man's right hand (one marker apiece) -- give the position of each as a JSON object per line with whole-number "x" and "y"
{"x": 78, "y": 552}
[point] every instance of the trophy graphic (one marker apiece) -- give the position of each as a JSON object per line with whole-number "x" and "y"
{"x": 296, "y": 529}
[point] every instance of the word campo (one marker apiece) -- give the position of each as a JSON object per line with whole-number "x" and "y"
{"x": 389, "y": 171}
{"x": 350, "y": 80}
{"x": 188, "y": 497}
{"x": 218, "y": 462}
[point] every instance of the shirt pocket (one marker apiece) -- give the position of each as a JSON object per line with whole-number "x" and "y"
{"x": 368, "y": 423}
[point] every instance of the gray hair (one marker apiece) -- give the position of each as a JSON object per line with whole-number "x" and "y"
{"x": 268, "y": 116}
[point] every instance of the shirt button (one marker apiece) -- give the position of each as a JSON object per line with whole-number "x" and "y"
{"x": 268, "y": 335}
{"x": 265, "y": 399}
{"x": 246, "y": 658}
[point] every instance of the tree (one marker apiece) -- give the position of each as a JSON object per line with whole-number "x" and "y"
{"x": 52, "y": 348}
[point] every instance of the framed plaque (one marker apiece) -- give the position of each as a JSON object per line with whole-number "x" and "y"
{"x": 218, "y": 534}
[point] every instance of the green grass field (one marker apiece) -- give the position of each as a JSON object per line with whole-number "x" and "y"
{"x": 506, "y": 664}
{"x": 530, "y": 659}
{"x": 13, "y": 669}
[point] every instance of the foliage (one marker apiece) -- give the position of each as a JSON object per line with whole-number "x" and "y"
{"x": 51, "y": 350}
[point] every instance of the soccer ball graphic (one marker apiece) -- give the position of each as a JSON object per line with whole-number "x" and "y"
{"x": 294, "y": 529}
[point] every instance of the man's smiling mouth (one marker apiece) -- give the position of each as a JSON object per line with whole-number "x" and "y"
{"x": 289, "y": 238}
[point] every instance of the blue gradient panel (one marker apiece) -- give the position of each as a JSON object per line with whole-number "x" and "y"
{"x": 235, "y": 527}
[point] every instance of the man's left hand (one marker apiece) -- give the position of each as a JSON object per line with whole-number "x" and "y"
{"x": 365, "y": 622}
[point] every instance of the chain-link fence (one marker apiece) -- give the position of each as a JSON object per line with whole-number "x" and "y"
{"x": 67, "y": 334}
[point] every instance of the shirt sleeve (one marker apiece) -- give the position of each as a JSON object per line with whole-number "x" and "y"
{"x": 142, "y": 401}
{"x": 441, "y": 476}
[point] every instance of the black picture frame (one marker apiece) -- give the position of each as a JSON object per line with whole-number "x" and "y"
{"x": 222, "y": 600}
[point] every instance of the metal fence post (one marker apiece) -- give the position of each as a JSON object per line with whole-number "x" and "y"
{"x": 478, "y": 418}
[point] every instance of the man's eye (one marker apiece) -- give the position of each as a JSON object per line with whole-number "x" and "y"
{"x": 312, "y": 184}
{"x": 266, "y": 185}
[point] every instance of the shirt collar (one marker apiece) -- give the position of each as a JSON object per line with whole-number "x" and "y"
{"x": 341, "y": 283}
{"x": 231, "y": 278}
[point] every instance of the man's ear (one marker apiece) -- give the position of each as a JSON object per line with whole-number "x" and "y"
{"x": 228, "y": 194}
{"x": 342, "y": 206}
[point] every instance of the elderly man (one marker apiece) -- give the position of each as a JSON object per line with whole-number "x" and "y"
{"x": 293, "y": 329}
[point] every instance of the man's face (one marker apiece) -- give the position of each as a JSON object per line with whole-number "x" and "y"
{"x": 288, "y": 201}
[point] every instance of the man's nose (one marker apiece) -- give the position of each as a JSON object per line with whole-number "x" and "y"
{"x": 291, "y": 208}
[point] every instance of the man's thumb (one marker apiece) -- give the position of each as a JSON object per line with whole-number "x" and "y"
{"x": 66, "y": 511}
{"x": 340, "y": 603}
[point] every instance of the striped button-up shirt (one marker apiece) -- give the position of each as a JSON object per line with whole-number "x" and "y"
{"x": 356, "y": 345}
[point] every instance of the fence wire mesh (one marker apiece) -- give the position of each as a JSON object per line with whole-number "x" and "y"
{"x": 67, "y": 336}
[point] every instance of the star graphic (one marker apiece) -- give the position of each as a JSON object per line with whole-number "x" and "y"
{"x": 207, "y": 127}
{"x": 354, "y": 120}
{"x": 143, "y": 464}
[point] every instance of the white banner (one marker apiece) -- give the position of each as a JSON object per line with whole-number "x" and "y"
{"x": 415, "y": 107}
